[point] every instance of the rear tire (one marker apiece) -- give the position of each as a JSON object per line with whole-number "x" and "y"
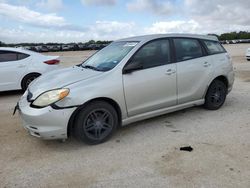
{"x": 216, "y": 95}
{"x": 95, "y": 123}
{"x": 28, "y": 79}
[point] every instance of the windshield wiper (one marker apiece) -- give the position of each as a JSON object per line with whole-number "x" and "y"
{"x": 90, "y": 67}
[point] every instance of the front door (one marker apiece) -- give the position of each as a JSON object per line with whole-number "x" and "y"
{"x": 154, "y": 85}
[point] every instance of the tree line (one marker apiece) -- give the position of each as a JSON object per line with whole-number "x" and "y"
{"x": 2, "y": 44}
{"x": 233, "y": 35}
{"x": 224, "y": 36}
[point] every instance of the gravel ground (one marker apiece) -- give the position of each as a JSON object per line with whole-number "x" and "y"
{"x": 144, "y": 154}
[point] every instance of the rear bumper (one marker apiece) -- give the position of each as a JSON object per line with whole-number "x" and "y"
{"x": 45, "y": 123}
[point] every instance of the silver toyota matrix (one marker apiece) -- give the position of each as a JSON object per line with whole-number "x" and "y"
{"x": 130, "y": 80}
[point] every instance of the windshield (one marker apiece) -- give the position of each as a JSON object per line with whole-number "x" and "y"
{"x": 107, "y": 58}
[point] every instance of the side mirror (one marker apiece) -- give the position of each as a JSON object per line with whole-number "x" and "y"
{"x": 132, "y": 66}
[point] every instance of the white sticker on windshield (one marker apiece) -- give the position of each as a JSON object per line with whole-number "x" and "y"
{"x": 130, "y": 44}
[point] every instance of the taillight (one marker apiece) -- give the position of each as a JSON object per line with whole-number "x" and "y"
{"x": 52, "y": 62}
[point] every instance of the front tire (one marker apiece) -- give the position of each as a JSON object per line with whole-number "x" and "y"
{"x": 96, "y": 123}
{"x": 216, "y": 95}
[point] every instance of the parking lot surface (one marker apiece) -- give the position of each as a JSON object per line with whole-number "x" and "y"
{"x": 143, "y": 154}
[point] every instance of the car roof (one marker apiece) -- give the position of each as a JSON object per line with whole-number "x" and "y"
{"x": 156, "y": 36}
{"x": 21, "y": 50}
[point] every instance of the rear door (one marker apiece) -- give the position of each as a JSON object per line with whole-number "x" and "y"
{"x": 217, "y": 52}
{"x": 194, "y": 69}
{"x": 12, "y": 67}
{"x": 154, "y": 85}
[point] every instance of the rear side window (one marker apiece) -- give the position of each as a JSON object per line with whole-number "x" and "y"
{"x": 214, "y": 47}
{"x": 7, "y": 56}
{"x": 187, "y": 49}
{"x": 11, "y": 56}
{"x": 154, "y": 53}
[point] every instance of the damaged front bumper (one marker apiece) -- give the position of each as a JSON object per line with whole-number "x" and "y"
{"x": 45, "y": 123}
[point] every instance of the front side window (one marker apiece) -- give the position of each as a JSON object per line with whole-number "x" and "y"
{"x": 107, "y": 58}
{"x": 187, "y": 49}
{"x": 155, "y": 53}
{"x": 214, "y": 47}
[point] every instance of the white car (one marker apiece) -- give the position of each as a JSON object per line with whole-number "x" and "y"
{"x": 248, "y": 54}
{"x": 19, "y": 67}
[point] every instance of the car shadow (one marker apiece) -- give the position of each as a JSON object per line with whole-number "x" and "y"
{"x": 130, "y": 130}
{"x": 71, "y": 144}
{"x": 161, "y": 119}
{"x": 9, "y": 93}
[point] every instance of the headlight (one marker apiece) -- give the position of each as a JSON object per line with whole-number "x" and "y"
{"x": 50, "y": 97}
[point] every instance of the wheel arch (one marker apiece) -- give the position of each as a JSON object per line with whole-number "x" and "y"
{"x": 27, "y": 75}
{"x": 112, "y": 102}
{"x": 221, "y": 78}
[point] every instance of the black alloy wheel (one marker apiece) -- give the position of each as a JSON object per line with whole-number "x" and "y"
{"x": 96, "y": 122}
{"x": 216, "y": 95}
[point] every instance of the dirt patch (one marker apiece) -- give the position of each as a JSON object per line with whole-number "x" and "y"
{"x": 243, "y": 75}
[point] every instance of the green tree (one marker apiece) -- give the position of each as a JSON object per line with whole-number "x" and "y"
{"x": 235, "y": 35}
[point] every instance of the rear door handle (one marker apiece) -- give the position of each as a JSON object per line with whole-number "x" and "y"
{"x": 170, "y": 71}
{"x": 206, "y": 64}
{"x": 21, "y": 66}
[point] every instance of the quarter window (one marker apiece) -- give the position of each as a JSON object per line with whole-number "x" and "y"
{"x": 214, "y": 47}
{"x": 155, "y": 53}
{"x": 21, "y": 56}
{"x": 187, "y": 49}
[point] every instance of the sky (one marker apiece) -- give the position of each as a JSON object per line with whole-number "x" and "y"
{"x": 82, "y": 20}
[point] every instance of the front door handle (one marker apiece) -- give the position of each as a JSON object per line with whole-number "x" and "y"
{"x": 170, "y": 71}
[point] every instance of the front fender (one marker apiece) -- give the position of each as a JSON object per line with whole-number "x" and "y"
{"x": 98, "y": 87}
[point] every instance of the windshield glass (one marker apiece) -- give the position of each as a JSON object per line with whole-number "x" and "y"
{"x": 107, "y": 58}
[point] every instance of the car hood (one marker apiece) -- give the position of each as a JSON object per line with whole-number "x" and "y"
{"x": 60, "y": 78}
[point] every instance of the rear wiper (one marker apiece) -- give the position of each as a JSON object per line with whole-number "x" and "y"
{"x": 90, "y": 67}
